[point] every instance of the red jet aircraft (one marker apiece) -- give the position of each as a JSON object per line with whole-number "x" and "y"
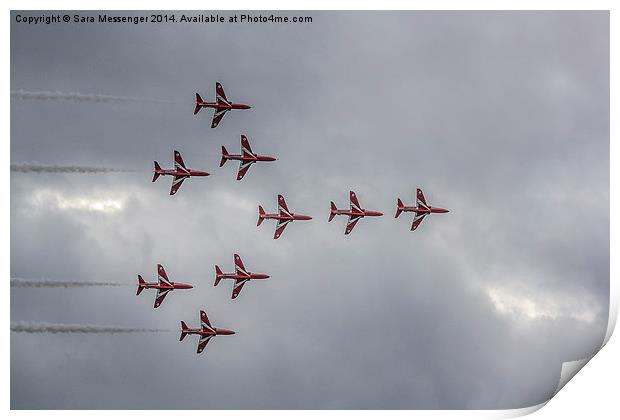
{"x": 163, "y": 285}
{"x": 206, "y": 332}
{"x": 246, "y": 158}
{"x": 180, "y": 172}
{"x": 241, "y": 276}
{"x": 221, "y": 105}
{"x": 421, "y": 209}
{"x": 355, "y": 214}
{"x": 283, "y": 217}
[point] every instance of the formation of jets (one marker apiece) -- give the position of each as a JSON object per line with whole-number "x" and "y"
{"x": 283, "y": 217}
{"x": 180, "y": 172}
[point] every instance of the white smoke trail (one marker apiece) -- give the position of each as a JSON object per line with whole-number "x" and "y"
{"x": 56, "y": 169}
{"x": 42, "y": 328}
{"x": 76, "y": 97}
{"x": 23, "y": 283}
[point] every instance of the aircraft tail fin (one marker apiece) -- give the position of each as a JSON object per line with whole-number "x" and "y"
{"x": 332, "y": 211}
{"x": 198, "y": 107}
{"x": 261, "y": 215}
{"x": 399, "y": 207}
{"x": 224, "y": 156}
{"x": 141, "y": 284}
{"x": 218, "y": 275}
{"x": 155, "y": 172}
{"x": 183, "y": 328}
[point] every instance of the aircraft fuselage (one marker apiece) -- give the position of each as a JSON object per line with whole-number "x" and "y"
{"x": 180, "y": 173}
{"x": 285, "y": 216}
{"x": 216, "y": 331}
{"x": 220, "y": 106}
{"x": 354, "y": 213}
{"x": 164, "y": 286}
{"x": 421, "y": 210}
{"x": 247, "y": 158}
{"x": 241, "y": 276}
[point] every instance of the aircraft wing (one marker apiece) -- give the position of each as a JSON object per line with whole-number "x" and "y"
{"x": 352, "y": 222}
{"x": 202, "y": 343}
{"x": 417, "y": 220}
{"x": 421, "y": 200}
{"x": 238, "y": 286}
{"x": 246, "y": 150}
{"x": 176, "y": 183}
{"x": 179, "y": 165}
{"x": 162, "y": 277}
{"x": 282, "y": 206}
{"x": 244, "y": 165}
{"x": 239, "y": 265}
{"x": 161, "y": 295}
{"x": 280, "y": 228}
{"x": 355, "y": 205}
{"x": 217, "y": 117}
{"x": 219, "y": 93}
{"x": 204, "y": 321}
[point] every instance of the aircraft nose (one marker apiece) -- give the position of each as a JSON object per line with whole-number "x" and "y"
{"x": 379, "y": 213}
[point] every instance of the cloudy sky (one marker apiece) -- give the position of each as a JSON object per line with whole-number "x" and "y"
{"x": 501, "y": 117}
